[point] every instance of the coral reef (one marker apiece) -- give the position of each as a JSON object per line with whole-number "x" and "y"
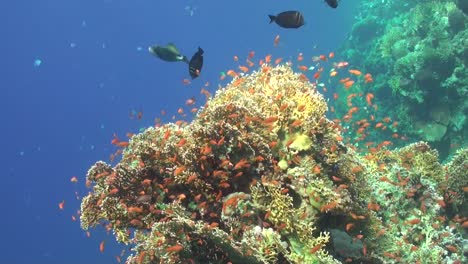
{"x": 262, "y": 176}
{"x": 420, "y": 54}
{"x": 218, "y": 179}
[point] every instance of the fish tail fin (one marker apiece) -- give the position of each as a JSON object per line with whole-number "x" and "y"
{"x": 185, "y": 59}
{"x": 272, "y": 18}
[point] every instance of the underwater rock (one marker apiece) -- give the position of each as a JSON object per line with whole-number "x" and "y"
{"x": 344, "y": 245}
{"x": 440, "y": 114}
{"x": 456, "y": 20}
{"x": 430, "y": 131}
{"x": 458, "y": 121}
{"x": 365, "y": 30}
{"x": 463, "y": 5}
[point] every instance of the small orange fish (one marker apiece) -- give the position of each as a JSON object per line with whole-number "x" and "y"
{"x": 317, "y": 75}
{"x": 179, "y": 170}
{"x": 373, "y": 206}
{"x": 115, "y": 140}
{"x": 368, "y": 78}
{"x": 336, "y": 179}
{"x": 236, "y": 58}
{"x": 300, "y": 57}
{"x": 231, "y": 73}
{"x": 175, "y": 248}
{"x": 270, "y": 119}
{"x": 251, "y": 54}
{"x": 342, "y": 64}
{"x": 355, "y": 72}
{"x": 268, "y": 59}
{"x": 135, "y": 210}
{"x": 243, "y": 69}
{"x": 349, "y": 226}
{"x": 186, "y": 81}
{"x": 369, "y": 98}
{"x": 114, "y": 191}
{"x": 452, "y": 248}
{"x": 465, "y": 224}
{"x": 331, "y": 55}
{"x": 327, "y": 207}
{"x": 61, "y": 205}
{"x": 278, "y": 61}
{"x": 190, "y": 101}
{"x": 315, "y": 248}
{"x": 101, "y": 246}
{"x": 348, "y": 84}
{"x": 74, "y": 179}
{"x": 414, "y": 221}
{"x": 276, "y": 41}
{"x": 181, "y": 142}
{"x": 241, "y": 164}
{"x": 237, "y": 82}
{"x": 122, "y": 144}
{"x": 224, "y": 185}
{"x": 316, "y": 169}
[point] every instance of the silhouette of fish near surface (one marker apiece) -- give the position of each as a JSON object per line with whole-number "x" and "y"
{"x": 288, "y": 19}
{"x": 332, "y": 3}
{"x": 196, "y": 63}
{"x": 167, "y": 53}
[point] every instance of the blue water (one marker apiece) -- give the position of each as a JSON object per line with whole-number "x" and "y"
{"x": 71, "y": 72}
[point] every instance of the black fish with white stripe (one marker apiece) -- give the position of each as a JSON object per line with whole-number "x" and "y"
{"x": 288, "y": 19}
{"x": 196, "y": 63}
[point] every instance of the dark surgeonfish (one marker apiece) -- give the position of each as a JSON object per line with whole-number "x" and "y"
{"x": 196, "y": 63}
{"x": 288, "y": 19}
{"x": 167, "y": 53}
{"x": 332, "y": 3}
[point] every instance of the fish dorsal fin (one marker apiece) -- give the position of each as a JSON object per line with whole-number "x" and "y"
{"x": 172, "y": 47}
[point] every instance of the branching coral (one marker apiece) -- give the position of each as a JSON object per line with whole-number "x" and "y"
{"x": 409, "y": 189}
{"x": 457, "y": 182}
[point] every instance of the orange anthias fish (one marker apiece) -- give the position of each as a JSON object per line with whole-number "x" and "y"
{"x": 341, "y": 64}
{"x": 190, "y": 101}
{"x": 243, "y": 69}
{"x": 175, "y": 248}
{"x": 348, "y": 84}
{"x": 276, "y": 41}
{"x": 101, "y": 246}
{"x": 368, "y": 78}
{"x": 61, "y": 205}
{"x": 355, "y": 72}
{"x": 369, "y": 98}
